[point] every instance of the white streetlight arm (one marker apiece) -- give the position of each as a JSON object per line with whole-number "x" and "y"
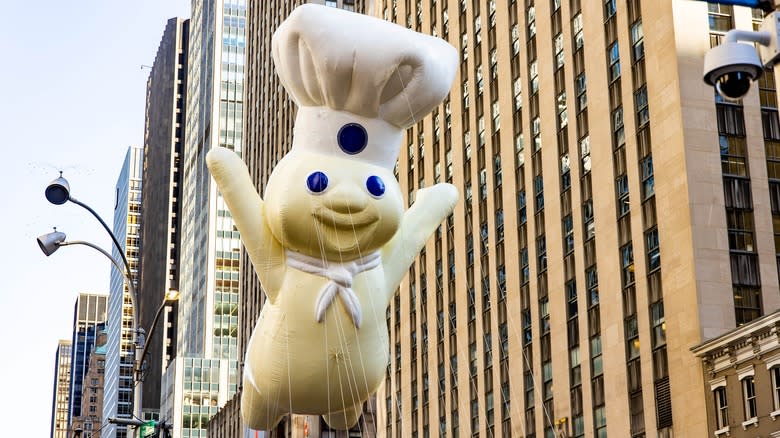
{"x": 131, "y": 284}
{"x": 736, "y": 35}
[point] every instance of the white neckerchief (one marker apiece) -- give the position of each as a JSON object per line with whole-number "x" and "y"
{"x": 340, "y": 276}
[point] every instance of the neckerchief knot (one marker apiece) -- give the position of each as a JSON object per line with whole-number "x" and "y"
{"x": 340, "y": 276}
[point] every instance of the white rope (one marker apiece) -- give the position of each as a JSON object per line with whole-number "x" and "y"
{"x": 342, "y": 336}
{"x": 340, "y": 276}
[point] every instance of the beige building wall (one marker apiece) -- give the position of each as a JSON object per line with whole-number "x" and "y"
{"x": 688, "y": 210}
{"x": 422, "y": 394}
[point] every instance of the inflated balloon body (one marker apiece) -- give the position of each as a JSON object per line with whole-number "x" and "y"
{"x": 331, "y": 240}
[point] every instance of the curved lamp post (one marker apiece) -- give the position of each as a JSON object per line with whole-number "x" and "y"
{"x": 170, "y": 297}
{"x": 51, "y": 242}
{"x": 58, "y": 193}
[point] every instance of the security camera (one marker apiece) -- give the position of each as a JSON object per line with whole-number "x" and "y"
{"x": 732, "y": 66}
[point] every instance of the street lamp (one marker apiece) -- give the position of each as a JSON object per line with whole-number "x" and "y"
{"x": 58, "y": 193}
{"x": 51, "y": 242}
{"x": 170, "y": 297}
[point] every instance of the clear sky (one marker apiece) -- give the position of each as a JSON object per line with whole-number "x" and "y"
{"x": 72, "y": 97}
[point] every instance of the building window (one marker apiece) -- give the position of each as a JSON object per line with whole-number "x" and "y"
{"x": 525, "y": 272}
{"x": 775, "y": 374}
{"x": 587, "y": 219}
{"x": 732, "y": 155}
{"x": 721, "y": 407}
{"x": 659, "y": 324}
{"x": 600, "y": 418}
{"x": 720, "y": 17}
{"x": 541, "y": 252}
{"x": 527, "y": 329}
{"x": 637, "y": 41}
{"x": 558, "y": 48}
{"x": 749, "y": 395}
{"x": 610, "y": 8}
{"x": 614, "y": 62}
{"x": 571, "y": 298}
{"x": 521, "y": 211}
{"x": 568, "y": 235}
{"x": 539, "y": 193}
{"x": 544, "y": 315}
{"x": 597, "y": 365}
{"x": 621, "y": 187}
{"x": 653, "y": 251}
{"x": 565, "y": 172}
{"x": 618, "y": 130}
{"x": 642, "y": 111}
{"x": 648, "y": 177}
{"x": 627, "y": 264}
{"x": 579, "y": 39}
{"x": 740, "y": 228}
{"x": 581, "y": 88}
{"x": 747, "y": 304}
{"x": 632, "y": 338}
{"x": 533, "y": 73}
{"x": 592, "y": 283}
{"x": 547, "y": 381}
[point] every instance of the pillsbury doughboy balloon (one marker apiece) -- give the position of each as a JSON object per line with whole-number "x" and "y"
{"x": 331, "y": 240}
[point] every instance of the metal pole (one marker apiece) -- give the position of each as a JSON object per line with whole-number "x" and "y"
{"x": 138, "y": 388}
{"x": 108, "y": 230}
{"x": 139, "y": 335}
{"x": 150, "y": 334}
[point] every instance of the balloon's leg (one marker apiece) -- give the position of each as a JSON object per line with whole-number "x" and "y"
{"x": 257, "y": 411}
{"x": 345, "y": 419}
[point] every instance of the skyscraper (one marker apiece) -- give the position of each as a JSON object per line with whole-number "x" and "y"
{"x": 60, "y": 394}
{"x": 118, "y": 395}
{"x": 614, "y": 214}
{"x": 89, "y": 317}
{"x": 203, "y": 375}
{"x": 160, "y": 209}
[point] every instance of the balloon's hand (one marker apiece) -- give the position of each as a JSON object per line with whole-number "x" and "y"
{"x": 431, "y": 207}
{"x": 246, "y": 207}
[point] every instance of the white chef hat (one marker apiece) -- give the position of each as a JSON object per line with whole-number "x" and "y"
{"x": 350, "y": 72}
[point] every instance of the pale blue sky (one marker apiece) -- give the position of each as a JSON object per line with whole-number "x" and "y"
{"x": 71, "y": 98}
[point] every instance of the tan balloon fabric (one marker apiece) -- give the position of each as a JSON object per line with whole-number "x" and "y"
{"x": 331, "y": 240}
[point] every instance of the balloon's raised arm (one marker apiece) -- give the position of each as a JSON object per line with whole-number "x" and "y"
{"x": 431, "y": 207}
{"x": 246, "y": 207}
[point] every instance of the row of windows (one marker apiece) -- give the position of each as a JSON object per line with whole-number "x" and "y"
{"x": 749, "y": 409}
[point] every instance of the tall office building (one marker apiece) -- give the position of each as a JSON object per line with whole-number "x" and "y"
{"x": 91, "y": 420}
{"x": 61, "y": 395}
{"x": 160, "y": 209}
{"x": 614, "y": 214}
{"x": 119, "y": 382}
{"x": 203, "y": 376}
{"x": 89, "y": 317}
{"x": 270, "y": 114}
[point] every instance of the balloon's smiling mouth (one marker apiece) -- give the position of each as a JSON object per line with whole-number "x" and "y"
{"x": 346, "y": 221}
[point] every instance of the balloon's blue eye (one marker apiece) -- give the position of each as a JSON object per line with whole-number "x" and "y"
{"x": 375, "y": 186}
{"x": 317, "y": 182}
{"x": 352, "y": 138}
